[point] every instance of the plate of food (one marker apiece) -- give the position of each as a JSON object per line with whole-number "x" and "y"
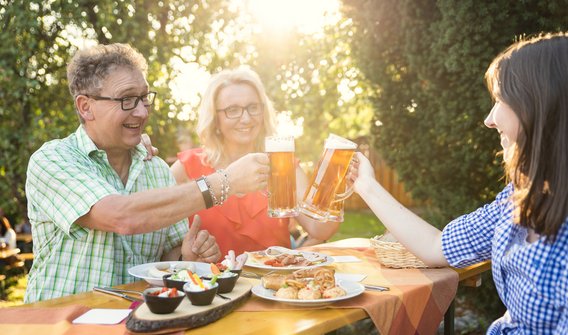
{"x": 279, "y": 258}
{"x": 154, "y": 272}
{"x": 313, "y": 287}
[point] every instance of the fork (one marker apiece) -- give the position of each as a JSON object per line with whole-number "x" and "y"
{"x": 120, "y": 290}
{"x": 376, "y": 288}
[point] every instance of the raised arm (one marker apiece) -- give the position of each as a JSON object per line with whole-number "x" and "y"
{"x": 418, "y": 236}
{"x": 150, "y": 210}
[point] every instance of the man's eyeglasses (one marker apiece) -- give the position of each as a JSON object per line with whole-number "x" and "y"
{"x": 129, "y": 103}
{"x": 235, "y": 112}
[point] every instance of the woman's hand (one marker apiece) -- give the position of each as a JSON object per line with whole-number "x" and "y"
{"x": 249, "y": 173}
{"x": 147, "y": 143}
{"x": 361, "y": 172}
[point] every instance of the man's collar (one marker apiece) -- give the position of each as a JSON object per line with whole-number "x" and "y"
{"x": 87, "y": 146}
{"x": 84, "y": 142}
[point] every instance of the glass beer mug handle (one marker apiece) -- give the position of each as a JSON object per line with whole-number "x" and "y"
{"x": 344, "y": 195}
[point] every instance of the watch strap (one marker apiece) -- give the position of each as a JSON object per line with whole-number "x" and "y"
{"x": 205, "y": 192}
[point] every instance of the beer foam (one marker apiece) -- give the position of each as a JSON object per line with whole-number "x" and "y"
{"x": 279, "y": 144}
{"x": 337, "y": 142}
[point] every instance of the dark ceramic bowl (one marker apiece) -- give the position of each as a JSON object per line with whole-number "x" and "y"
{"x": 161, "y": 305}
{"x": 226, "y": 284}
{"x": 173, "y": 283}
{"x": 201, "y": 298}
{"x": 238, "y": 272}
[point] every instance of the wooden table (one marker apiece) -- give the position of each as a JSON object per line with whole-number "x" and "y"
{"x": 312, "y": 321}
{"x": 24, "y": 238}
{"x": 302, "y": 321}
{"x": 7, "y": 253}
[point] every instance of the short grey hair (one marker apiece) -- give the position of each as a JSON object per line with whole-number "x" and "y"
{"x": 89, "y": 67}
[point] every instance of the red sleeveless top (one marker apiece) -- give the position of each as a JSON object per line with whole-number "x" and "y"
{"x": 241, "y": 223}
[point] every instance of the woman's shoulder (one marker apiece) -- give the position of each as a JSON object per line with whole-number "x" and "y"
{"x": 190, "y": 155}
{"x": 193, "y": 162}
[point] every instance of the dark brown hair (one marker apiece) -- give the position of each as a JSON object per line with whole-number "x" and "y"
{"x": 531, "y": 76}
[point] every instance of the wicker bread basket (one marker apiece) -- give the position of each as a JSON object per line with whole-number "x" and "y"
{"x": 392, "y": 254}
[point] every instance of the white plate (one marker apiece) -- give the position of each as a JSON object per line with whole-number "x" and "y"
{"x": 311, "y": 256}
{"x": 352, "y": 288}
{"x": 142, "y": 271}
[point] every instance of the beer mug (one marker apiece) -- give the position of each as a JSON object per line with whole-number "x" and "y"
{"x": 325, "y": 182}
{"x": 282, "y": 181}
{"x": 336, "y": 207}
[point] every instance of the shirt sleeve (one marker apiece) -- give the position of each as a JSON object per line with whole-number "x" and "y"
{"x": 562, "y": 327}
{"x": 63, "y": 187}
{"x": 467, "y": 239}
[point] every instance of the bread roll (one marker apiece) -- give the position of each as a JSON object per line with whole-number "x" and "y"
{"x": 273, "y": 281}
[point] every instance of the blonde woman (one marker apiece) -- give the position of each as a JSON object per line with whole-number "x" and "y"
{"x": 234, "y": 117}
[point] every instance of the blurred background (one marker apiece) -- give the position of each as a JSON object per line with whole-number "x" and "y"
{"x": 404, "y": 79}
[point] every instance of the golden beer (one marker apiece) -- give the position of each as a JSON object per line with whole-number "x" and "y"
{"x": 336, "y": 207}
{"x": 324, "y": 186}
{"x": 282, "y": 180}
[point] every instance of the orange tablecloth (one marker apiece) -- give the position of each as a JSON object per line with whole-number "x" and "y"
{"x": 415, "y": 304}
{"x": 57, "y": 320}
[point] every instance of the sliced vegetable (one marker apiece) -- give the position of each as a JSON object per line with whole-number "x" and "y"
{"x": 191, "y": 276}
{"x": 215, "y": 269}
{"x": 221, "y": 266}
{"x": 198, "y": 280}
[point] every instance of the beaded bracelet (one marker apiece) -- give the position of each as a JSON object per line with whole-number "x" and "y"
{"x": 224, "y": 185}
{"x": 215, "y": 200}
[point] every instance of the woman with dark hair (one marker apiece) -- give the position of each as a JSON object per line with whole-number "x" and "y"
{"x": 524, "y": 231}
{"x": 7, "y": 234}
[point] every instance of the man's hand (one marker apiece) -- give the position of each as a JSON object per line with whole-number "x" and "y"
{"x": 249, "y": 173}
{"x": 199, "y": 245}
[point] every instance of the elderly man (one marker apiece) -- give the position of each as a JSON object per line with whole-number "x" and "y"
{"x": 96, "y": 206}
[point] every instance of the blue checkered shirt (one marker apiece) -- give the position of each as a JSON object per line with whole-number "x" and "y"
{"x": 531, "y": 278}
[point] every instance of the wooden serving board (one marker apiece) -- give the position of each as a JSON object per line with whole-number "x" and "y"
{"x": 187, "y": 316}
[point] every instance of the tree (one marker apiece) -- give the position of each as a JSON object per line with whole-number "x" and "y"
{"x": 313, "y": 77}
{"x": 427, "y": 60}
{"x": 39, "y": 37}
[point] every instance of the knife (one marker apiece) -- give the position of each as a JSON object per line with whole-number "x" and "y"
{"x": 117, "y": 294}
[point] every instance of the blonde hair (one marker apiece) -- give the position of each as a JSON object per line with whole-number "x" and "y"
{"x": 207, "y": 122}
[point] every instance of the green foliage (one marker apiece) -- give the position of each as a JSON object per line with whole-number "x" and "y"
{"x": 427, "y": 60}
{"x": 38, "y": 38}
{"x": 314, "y": 78}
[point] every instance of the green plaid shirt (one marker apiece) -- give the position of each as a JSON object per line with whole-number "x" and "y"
{"x": 65, "y": 179}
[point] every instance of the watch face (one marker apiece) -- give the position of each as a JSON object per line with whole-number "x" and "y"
{"x": 202, "y": 185}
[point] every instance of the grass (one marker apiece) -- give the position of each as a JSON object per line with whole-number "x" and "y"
{"x": 359, "y": 224}
{"x": 15, "y": 292}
